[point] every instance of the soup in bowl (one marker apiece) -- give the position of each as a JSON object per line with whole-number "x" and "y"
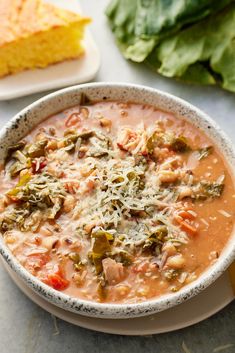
{"x": 116, "y": 200}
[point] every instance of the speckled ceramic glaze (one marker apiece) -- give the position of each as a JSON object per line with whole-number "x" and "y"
{"x": 28, "y": 118}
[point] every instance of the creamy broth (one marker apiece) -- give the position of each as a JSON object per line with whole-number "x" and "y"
{"x": 115, "y": 202}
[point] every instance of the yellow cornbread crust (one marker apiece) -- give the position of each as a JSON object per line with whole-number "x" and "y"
{"x": 35, "y": 34}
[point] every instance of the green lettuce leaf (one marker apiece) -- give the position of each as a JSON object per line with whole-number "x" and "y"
{"x": 198, "y": 74}
{"x": 139, "y": 25}
{"x": 188, "y": 53}
{"x": 121, "y": 15}
{"x": 192, "y": 40}
{"x": 154, "y": 17}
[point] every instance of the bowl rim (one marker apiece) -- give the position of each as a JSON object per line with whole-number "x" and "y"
{"x": 112, "y": 310}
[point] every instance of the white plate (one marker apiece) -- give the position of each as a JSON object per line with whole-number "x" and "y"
{"x": 59, "y": 75}
{"x": 205, "y": 304}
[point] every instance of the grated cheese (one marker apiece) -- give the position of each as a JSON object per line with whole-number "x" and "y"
{"x": 123, "y": 187}
{"x": 192, "y": 213}
{"x": 224, "y": 213}
{"x": 204, "y": 221}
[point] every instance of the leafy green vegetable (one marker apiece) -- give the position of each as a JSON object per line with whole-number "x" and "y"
{"x": 99, "y": 145}
{"x": 178, "y": 38}
{"x": 101, "y": 247}
{"x": 153, "y": 141}
{"x": 77, "y": 264}
{"x": 73, "y": 140}
{"x": 139, "y": 24}
{"x": 17, "y": 146}
{"x": 157, "y": 238}
{"x": 20, "y": 218}
{"x": 213, "y": 189}
{"x": 200, "y": 43}
{"x": 75, "y": 257}
{"x": 204, "y": 152}
{"x": 37, "y": 198}
{"x": 24, "y": 179}
{"x": 13, "y": 217}
{"x": 20, "y": 162}
{"x": 159, "y": 234}
{"x": 124, "y": 257}
{"x": 32, "y": 222}
{"x": 86, "y": 134}
{"x": 122, "y": 14}
{"x": 171, "y": 274}
{"x": 17, "y": 166}
{"x": 159, "y": 139}
{"x": 180, "y": 144}
{"x": 172, "y": 14}
{"x": 41, "y": 190}
{"x": 205, "y": 190}
{"x": 199, "y": 74}
{"x": 37, "y": 149}
{"x": 70, "y": 141}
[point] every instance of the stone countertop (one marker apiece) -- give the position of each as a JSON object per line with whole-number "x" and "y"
{"x": 26, "y": 328}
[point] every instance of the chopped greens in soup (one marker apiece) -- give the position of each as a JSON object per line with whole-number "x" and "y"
{"x": 116, "y": 202}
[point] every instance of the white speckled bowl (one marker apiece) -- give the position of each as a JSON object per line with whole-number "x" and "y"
{"x": 24, "y": 121}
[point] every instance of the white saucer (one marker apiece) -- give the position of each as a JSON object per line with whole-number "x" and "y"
{"x": 207, "y": 303}
{"x": 63, "y": 74}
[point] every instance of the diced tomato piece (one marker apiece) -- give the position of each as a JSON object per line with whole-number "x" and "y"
{"x": 42, "y": 165}
{"x": 71, "y": 186}
{"x": 56, "y": 281}
{"x": 121, "y": 146}
{"x": 90, "y": 185}
{"x": 36, "y": 262}
{"x": 145, "y": 153}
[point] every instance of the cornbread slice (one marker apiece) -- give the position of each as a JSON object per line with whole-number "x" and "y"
{"x": 35, "y": 34}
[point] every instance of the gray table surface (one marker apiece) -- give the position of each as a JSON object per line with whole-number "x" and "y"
{"x": 26, "y": 328}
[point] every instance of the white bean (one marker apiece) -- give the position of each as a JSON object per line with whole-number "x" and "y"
{"x": 69, "y": 203}
{"x": 176, "y": 261}
{"x": 167, "y": 176}
{"x": 50, "y": 242}
{"x": 169, "y": 248}
{"x": 184, "y": 191}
